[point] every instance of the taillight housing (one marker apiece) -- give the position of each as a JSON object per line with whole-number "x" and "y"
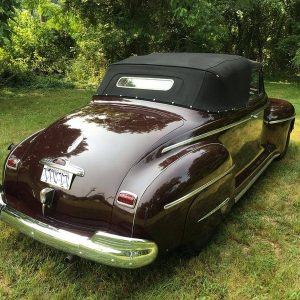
{"x": 12, "y": 162}
{"x": 127, "y": 199}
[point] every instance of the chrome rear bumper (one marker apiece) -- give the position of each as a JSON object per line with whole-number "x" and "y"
{"x": 102, "y": 247}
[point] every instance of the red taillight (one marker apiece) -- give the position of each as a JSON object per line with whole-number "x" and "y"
{"x": 127, "y": 199}
{"x": 12, "y": 163}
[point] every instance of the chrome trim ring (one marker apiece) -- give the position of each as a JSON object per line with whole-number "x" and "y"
{"x": 68, "y": 167}
{"x": 222, "y": 204}
{"x": 281, "y": 120}
{"x": 102, "y": 247}
{"x": 131, "y": 194}
{"x": 17, "y": 163}
{"x": 198, "y": 190}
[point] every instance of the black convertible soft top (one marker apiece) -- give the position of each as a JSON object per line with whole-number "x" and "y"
{"x": 214, "y": 82}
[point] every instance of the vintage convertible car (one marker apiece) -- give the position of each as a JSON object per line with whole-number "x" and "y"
{"x": 165, "y": 148}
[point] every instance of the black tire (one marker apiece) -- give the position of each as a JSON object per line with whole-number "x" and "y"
{"x": 194, "y": 247}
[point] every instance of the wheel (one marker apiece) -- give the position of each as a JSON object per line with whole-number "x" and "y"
{"x": 194, "y": 247}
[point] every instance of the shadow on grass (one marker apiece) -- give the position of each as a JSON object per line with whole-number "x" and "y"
{"x": 91, "y": 278}
{"x": 32, "y": 259}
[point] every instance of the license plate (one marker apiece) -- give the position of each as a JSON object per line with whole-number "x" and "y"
{"x": 56, "y": 177}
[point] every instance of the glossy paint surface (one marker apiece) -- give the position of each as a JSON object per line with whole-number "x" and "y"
{"x": 103, "y": 140}
{"x": 194, "y": 167}
{"x": 274, "y": 131}
{"x": 278, "y": 110}
{"x": 159, "y": 170}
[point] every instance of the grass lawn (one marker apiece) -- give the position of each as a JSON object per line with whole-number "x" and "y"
{"x": 254, "y": 255}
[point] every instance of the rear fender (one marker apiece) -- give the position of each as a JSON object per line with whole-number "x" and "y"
{"x": 10, "y": 176}
{"x": 208, "y": 207}
{"x": 184, "y": 192}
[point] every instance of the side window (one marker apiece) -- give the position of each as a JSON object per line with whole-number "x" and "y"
{"x": 254, "y": 85}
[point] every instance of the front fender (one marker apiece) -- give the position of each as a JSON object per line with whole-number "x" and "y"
{"x": 279, "y": 118}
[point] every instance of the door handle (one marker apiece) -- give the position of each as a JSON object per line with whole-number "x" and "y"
{"x": 254, "y": 116}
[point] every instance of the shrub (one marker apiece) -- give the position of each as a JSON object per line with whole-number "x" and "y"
{"x": 89, "y": 65}
{"x": 35, "y": 49}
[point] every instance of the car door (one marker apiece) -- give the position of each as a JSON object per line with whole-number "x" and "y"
{"x": 243, "y": 140}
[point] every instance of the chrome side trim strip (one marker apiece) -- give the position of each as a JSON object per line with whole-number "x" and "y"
{"x": 215, "y": 209}
{"x": 2, "y": 204}
{"x": 36, "y": 133}
{"x": 239, "y": 196}
{"x": 102, "y": 247}
{"x": 198, "y": 190}
{"x": 68, "y": 167}
{"x": 75, "y": 144}
{"x": 254, "y": 115}
{"x": 281, "y": 120}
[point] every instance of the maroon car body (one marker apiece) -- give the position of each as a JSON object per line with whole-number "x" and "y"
{"x": 165, "y": 148}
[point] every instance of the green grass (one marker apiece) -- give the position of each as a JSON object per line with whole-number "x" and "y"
{"x": 254, "y": 255}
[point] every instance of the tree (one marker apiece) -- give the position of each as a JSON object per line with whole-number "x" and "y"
{"x": 265, "y": 30}
{"x": 127, "y": 26}
{"x": 7, "y": 13}
{"x": 140, "y": 27}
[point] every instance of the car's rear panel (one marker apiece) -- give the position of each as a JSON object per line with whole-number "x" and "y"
{"x": 105, "y": 141}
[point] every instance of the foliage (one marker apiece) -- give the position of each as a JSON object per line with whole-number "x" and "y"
{"x": 205, "y": 31}
{"x": 297, "y": 58}
{"x": 39, "y": 45}
{"x": 78, "y": 38}
{"x": 130, "y": 26}
{"x": 89, "y": 65}
{"x": 7, "y": 13}
{"x": 264, "y": 30}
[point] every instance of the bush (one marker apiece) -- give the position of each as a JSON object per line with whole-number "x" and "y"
{"x": 12, "y": 70}
{"x": 89, "y": 65}
{"x": 53, "y": 53}
{"x": 35, "y": 49}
